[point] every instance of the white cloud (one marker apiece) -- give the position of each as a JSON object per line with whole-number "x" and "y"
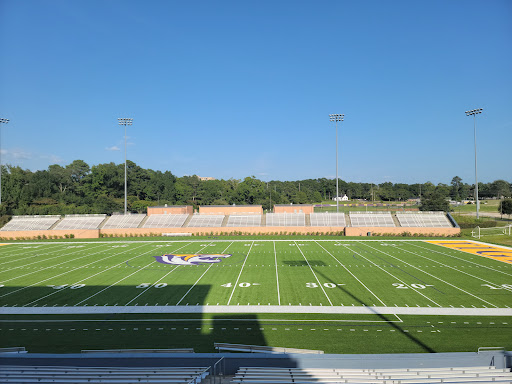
{"x": 113, "y": 148}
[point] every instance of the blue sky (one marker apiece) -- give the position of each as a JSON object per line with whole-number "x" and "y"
{"x": 239, "y": 88}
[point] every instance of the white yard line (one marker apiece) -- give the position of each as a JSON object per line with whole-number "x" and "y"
{"x": 238, "y": 278}
{"x": 223, "y": 309}
{"x": 277, "y": 276}
{"x": 400, "y": 280}
{"x": 314, "y": 274}
{"x": 71, "y": 270}
{"x": 464, "y": 260}
{"x": 354, "y": 276}
{"x": 204, "y": 273}
{"x": 32, "y": 252}
{"x": 435, "y": 277}
{"x": 15, "y": 251}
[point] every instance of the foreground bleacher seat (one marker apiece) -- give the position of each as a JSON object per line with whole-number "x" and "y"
{"x": 124, "y": 221}
{"x": 119, "y": 375}
{"x": 261, "y": 349}
{"x": 165, "y": 221}
{"x": 423, "y": 219}
{"x": 31, "y": 223}
{"x": 286, "y": 219}
{"x": 371, "y": 219}
{"x": 92, "y": 221}
{"x": 260, "y": 375}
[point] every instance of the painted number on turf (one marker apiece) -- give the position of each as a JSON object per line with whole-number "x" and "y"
{"x": 416, "y": 286}
{"x": 506, "y": 286}
{"x": 62, "y": 286}
{"x": 241, "y": 285}
{"x": 147, "y": 285}
{"x": 326, "y": 285}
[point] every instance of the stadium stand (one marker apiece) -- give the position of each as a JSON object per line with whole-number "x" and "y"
{"x": 31, "y": 223}
{"x": 119, "y": 375}
{"x": 165, "y": 221}
{"x": 260, "y": 375}
{"x": 244, "y": 221}
{"x": 124, "y": 221}
{"x": 371, "y": 219}
{"x": 206, "y": 221}
{"x": 81, "y": 221}
{"x": 423, "y": 219}
{"x": 328, "y": 219}
{"x": 260, "y": 349}
{"x": 286, "y": 219}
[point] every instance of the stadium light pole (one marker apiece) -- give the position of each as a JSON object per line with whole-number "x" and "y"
{"x": 125, "y": 122}
{"x": 337, "y": 117}
{"x": 473, "y": 113}
{"x": 2, "y": 121}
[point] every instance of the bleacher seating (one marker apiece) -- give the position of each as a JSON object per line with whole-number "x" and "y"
{"x": 165, "y": 221}
{"x": 81, "y": 221}
{"x": 31, "y": 223}
{"x": 261, "y": 349}
{"x": 286, "y": 219}
{"x": 423, "y": 219}
{"x": 244, "y": 221}
{"x": 328, "y": 219}
{"x": 371, "y": 219}
{"x": 119, "y": 375}
{"x": 466, "y": 375}
{"x": 206, "y": 221}
{"x": 124, "y": 221}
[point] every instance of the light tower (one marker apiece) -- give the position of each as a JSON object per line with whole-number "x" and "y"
{"x": 2, "y": 121}
{"x": 125, "y": 122}
{"x": 473, "y": 113}
{"x": 337, "y": 117}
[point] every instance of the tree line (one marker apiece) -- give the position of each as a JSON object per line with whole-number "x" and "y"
{"x": 78, "y": 188}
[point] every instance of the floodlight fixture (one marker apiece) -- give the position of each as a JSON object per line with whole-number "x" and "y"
{"x": 125, "y": 122}
{"x": 473, "y": 113}
{"x": 337, "y": 117}
{"x": 2, "y": 121}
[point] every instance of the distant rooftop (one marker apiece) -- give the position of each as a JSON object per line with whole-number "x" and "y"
{"x": 245, "y": 205}
{"x": 293, "y": 205}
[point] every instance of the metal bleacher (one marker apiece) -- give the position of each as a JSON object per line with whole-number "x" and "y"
{"x": 328, "y": 219}
{"x": 371, "y": 219}
{"x": 286, "y": 219}
{"x": 92, "y": 221}
{"x": 31, "y": 223}
{"x": 119, "y": 375}
{"x": 423, "y": 219}
{"x": 206, "y": 221}
{"x": 244, "y": 221}
{"x": 466, "y": 375}
{"x": 165, "y": 221}
{"x": 124, "y": 221}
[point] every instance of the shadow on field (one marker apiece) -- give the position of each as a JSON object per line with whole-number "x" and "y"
{"x": 303, "y": 263}
{"x": 383, "y": 317}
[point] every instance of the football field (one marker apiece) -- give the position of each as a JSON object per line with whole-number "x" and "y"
{"x": 343, "y": 296}
{"x": 283, "y": 273}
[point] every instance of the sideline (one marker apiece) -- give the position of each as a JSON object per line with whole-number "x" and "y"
{"x": 257, "y": 309}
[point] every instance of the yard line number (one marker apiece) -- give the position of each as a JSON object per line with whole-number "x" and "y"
{"x": 62, "y": 286}
{"x": 326, "y": 285}
{"x": 241, "y": 285}
{"x": 506, "y": 286}
{"x": 416, "y": 286}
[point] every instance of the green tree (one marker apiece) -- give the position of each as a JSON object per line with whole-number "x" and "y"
{"x": 505, "y": 207}
{"x": 436, "y": 201}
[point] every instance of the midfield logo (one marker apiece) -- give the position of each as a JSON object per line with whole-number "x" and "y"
{"x": 190, "y": 259}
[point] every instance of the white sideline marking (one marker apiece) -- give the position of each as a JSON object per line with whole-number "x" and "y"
{"x": 238, "y": 278}
{"x": 314, "y": 274}
{"x": 16, "y": 253}
{"x": 433, "y": 311}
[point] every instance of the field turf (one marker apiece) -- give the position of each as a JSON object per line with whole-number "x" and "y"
{"x": 288, "y": 275}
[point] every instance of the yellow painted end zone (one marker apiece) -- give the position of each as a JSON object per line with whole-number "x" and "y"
{"x": 480, "y": 249}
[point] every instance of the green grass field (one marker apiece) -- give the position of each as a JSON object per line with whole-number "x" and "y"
{"x": 317, "y": 287}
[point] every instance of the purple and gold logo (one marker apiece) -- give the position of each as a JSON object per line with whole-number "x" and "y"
{"x": 190, "y": 259}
